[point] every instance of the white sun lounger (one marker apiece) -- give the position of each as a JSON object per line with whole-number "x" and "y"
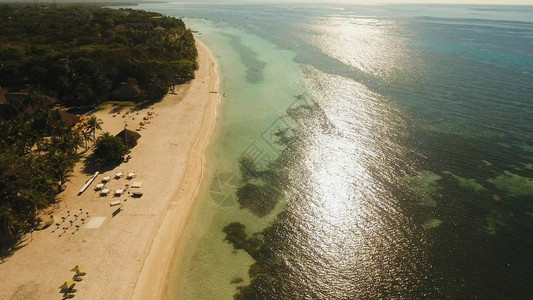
{"x": 113, "y": 203}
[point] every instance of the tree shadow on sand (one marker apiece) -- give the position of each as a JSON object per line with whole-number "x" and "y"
{"x": 91, "y": 165}
{"x": 147, "y": 104}
{"x": 8, "y": 247}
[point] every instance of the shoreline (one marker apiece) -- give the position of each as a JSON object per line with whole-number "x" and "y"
{"x": 126, "y": 251}
{"x": 154, "y": 278}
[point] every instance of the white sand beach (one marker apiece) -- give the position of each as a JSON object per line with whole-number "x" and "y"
{"x": 126, "y": 252}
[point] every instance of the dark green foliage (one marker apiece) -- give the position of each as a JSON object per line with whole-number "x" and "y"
{"x": 23, "y": 190}
{"x": 81, "y": 54}
{"x": 109, "y": 149}
{"x": 78, "y": 55}
{"x": 37, "y": 150}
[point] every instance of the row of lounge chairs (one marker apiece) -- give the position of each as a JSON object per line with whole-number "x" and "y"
{"x": 104, "y": 191}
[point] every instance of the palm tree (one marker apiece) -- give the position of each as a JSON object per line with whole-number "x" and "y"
{"x": 86, "y": 136}
{"x": 61, "y": 154}
{"x": 93, "y": 123}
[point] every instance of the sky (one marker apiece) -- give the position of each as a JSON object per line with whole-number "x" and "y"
{"x": 499, "y": 2}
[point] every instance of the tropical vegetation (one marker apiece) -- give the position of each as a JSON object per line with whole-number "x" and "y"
{"x": 83, "y": 55}
{"x": 109, "y": 149}
{"x": 37, "y": 153}
{"x": 73, "y": 56}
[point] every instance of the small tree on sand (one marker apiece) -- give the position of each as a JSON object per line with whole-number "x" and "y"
{"x": 109, "y": 149}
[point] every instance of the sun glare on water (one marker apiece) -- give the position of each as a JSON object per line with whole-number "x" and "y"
{"x": 367, "y": 44}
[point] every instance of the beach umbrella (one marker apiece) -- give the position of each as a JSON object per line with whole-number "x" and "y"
{"x": 78, "y": 268}
{"x": 67, "y": 285}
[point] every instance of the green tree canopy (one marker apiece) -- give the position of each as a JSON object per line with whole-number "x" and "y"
{"x": 82, "y": 54}
{"x": 37, "y": 150}
{"x": 109, "y": 149}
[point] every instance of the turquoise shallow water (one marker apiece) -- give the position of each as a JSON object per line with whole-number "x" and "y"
{"x": 365, "y": 152}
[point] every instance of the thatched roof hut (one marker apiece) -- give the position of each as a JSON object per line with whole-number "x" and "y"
{"x": 129, "y": 137}
{"x": 127, "y": 91}
{"x": 68, "y": 118}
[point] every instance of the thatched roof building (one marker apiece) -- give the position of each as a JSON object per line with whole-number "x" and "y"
{"x": 127, "y": 91}
{"x": 68, "y": 118}
{"x": 129, "y": 137}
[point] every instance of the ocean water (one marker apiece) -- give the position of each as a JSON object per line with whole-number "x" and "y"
{"x": 364, "y": 152}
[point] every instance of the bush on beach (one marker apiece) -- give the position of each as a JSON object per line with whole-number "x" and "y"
{"x": 109, "y": 150}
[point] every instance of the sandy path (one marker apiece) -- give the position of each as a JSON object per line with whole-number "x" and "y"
{"x": 129, "y": 253}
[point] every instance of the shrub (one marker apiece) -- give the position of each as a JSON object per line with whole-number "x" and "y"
{"x": 109, "y": 149}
